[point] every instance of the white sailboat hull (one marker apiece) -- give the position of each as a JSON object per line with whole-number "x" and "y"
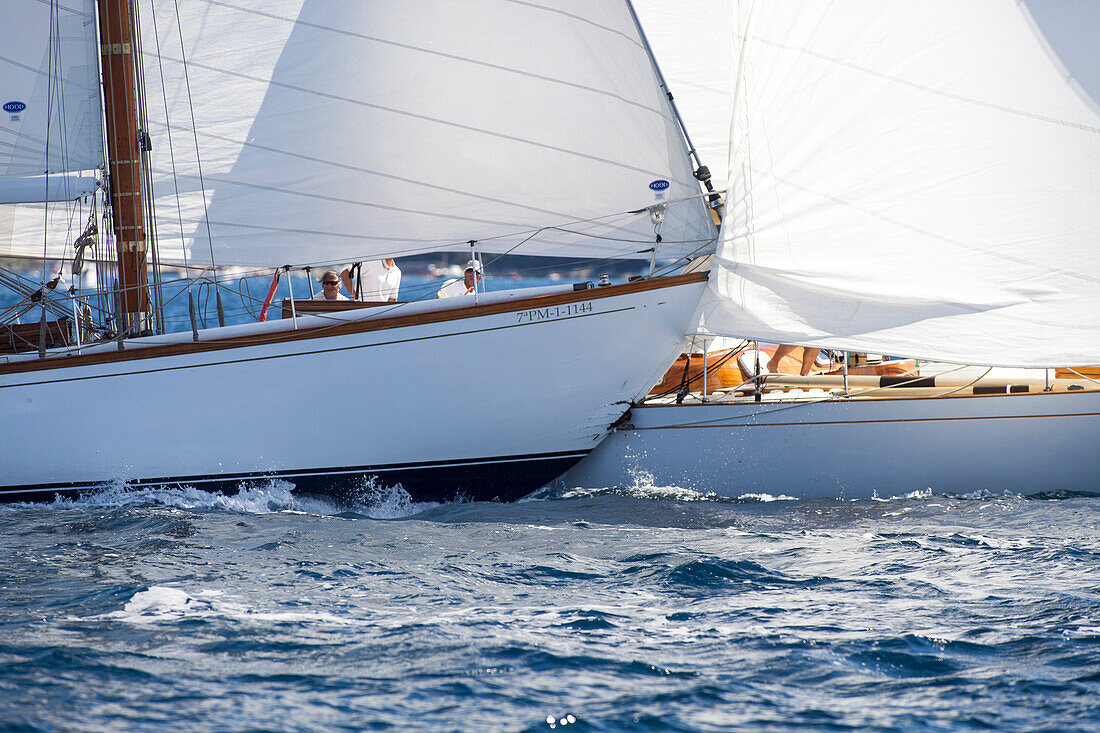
{"x": 1027, "y": 443}
{"x": 483, "y": 402}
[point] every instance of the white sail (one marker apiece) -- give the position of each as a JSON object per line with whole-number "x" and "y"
{"x": 330, "y": 131}
{"x": 693, "y": 43}
{"x": 918, "y": 179}
{"x": 36, "y": 189}
{"x": 50, "y": 121}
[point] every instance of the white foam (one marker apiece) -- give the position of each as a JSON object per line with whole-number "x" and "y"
{"x": 656, "y": 493}
{"x": 161, "y": 604}
{"x": 766, "y": 497}
{"x": 263, "y": 497}
{"x": 378, "y": 501}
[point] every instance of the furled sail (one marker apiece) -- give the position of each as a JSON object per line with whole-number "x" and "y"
{"x": 49, "y": 83}
{"x": 918, "y": 179}
{"x": 331, "y": 131}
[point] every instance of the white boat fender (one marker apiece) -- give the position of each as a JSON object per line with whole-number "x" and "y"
{"x": 753, "y": 362}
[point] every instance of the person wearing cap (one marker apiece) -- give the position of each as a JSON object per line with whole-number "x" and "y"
{"x": 330, "y": 287}
{"x": 379, "y": 281}
{"x": 464, "y": 285}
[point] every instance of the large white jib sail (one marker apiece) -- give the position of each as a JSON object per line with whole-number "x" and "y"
{"x": 919, "y": 179}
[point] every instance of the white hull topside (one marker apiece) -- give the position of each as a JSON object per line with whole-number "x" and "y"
{"x": 479, "y": 404}
{"x": 859, "y": 448}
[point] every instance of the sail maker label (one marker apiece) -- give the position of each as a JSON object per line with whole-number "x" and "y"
{"x": 556, "y": 311}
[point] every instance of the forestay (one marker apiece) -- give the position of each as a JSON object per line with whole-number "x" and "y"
{"x": 331, "y": 131}
{"x": 918, "y": 179}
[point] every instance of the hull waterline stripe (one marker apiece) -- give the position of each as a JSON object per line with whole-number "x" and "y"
{"x": 806, "y": 424}
{"x": 295, "y": 473}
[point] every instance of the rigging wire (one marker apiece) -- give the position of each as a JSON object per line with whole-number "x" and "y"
{"x": 172, "y": 158}
{"x": 198, "y": 165}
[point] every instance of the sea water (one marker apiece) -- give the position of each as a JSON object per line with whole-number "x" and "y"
{"x": 643, "y": 609}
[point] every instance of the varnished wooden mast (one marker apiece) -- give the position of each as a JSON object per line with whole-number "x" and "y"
{"x": 124, "y": 160}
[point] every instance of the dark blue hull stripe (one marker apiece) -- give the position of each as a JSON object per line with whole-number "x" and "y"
{"x": 502, "y": 478}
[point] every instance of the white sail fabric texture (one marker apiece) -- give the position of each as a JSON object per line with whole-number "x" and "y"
{"x": 917, "y": 179}
{"x": 51, "y": 115}
{"x": 36, "y": 189}
{"x": 51, "y": 122}
{"x": 348, "y": 130}
{"x": 693, "y": 43}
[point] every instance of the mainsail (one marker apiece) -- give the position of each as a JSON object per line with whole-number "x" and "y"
{"x": 330, "y": 131}
{"x": 918, "y": 179}
{"x": 306, "y": 132}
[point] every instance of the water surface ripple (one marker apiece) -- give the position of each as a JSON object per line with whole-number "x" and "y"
{"x": 640, "y": 610}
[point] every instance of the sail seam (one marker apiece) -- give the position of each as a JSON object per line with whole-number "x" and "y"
{"x": 414, "y": 115}
{"x": 455, "y": 57}
{"x": 929, "y": 90}
{"x": 360, "y": 169}
{"x": 923, "y": 232}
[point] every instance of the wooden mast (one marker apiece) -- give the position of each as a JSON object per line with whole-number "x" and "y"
{"x": 124, "y": 161}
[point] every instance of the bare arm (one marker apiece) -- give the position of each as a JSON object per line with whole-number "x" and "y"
{"x": 345, "y": 275}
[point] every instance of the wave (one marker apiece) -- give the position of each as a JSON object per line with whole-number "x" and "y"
{"x": 371, "y": 501}
{"x": 163, "y": 604}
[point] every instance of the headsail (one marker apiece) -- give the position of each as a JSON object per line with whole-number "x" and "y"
{"x": 340, "y": 130}
{"x": 918, "y": 179}
{"x": 693, "y": 43}
{"x": 49, "y": 81}
{"x": 50, "y": 123}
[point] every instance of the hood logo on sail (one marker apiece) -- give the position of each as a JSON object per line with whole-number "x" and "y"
{"x": 659, "y": 187}
{"x": 14, "y": 107}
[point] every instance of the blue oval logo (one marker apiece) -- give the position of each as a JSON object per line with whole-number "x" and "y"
{"x": 14, "y": 107}
{"x": 659, "y": 185}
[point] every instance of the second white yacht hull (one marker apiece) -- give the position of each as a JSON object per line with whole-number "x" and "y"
{"x": 861, "y": 448}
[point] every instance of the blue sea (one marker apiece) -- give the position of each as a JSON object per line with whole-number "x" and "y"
{"x": 643, "y": 609}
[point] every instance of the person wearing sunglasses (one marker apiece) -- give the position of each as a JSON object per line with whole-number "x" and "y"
{"x": 330, "y": 287}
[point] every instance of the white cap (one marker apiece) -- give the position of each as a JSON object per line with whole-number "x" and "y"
{"x": 474, "y": 265}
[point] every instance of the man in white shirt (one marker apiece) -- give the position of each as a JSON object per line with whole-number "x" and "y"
{"x": 379, "y": 281}
{"x": 464, "y": 286}
{"x": 330, "y": 287}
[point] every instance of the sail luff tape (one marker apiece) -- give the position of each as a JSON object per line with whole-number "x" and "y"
{"x": 113, "y": 49}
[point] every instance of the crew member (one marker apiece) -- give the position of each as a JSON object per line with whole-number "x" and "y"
{"x": 379, "y": 281}
{"x": 464, "y": 285}
{"x": 330, "y": 287}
